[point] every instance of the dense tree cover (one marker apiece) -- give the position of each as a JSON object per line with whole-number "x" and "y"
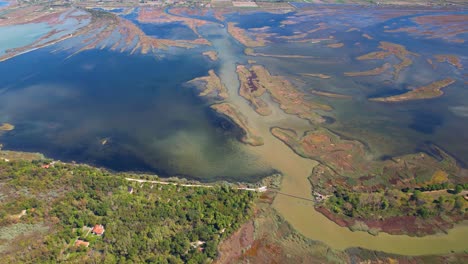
{"x": 457, "y": 188}
{"x": 394, "y": 202}
{"x": 154, "y": 224}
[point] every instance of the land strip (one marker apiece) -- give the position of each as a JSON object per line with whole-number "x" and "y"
{"x": 259, "y": 189}
{"x": 429, "y": 91}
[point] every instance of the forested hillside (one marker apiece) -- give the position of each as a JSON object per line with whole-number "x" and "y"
{"x": 46, "y": 209}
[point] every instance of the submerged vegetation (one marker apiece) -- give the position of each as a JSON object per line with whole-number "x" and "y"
{"x": 47, "y": 207}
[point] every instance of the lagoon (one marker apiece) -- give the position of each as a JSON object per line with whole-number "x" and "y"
{"x": 151, "y": 121}
{"x": 135, "y": 113}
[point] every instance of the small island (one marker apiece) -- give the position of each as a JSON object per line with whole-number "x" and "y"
{"x": 6, "y": 127}
{"x": 335, "y": 45}
{"x": 389, "y": 49}
{"x": 331, "y": 95}
{"x": 451, "y": 59}
{"x": 257, "y": 80}
{"x": 250, "y": 135}
{"x": 211, "y": 85}
{"x": 213, "y": 55}
{"x": 367, "y": 36}
{"x": 259, "y": 40}
{"x": 251, "y": 52}
{"x": 317, "y": 75}
{"x": 251, "y": 89}
{"x": 429, "y": 91}
{"x": 375, "y": 71}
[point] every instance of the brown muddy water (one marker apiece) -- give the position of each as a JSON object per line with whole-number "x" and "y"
{"x": 301, "y": 213}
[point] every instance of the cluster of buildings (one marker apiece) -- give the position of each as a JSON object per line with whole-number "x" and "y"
{"x": 97, "y": 230}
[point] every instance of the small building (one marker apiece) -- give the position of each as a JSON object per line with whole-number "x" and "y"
{"x": 79, "y": 243}
{"x": 45, "y": 166}
{"x": 130, "y": 189}
{"x": 197, "y": 244}
{"x": 98, "y": 230}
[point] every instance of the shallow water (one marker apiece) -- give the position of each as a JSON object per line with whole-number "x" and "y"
{"x": 152, "y": 122}
{"x": 20, "y": 35}
{"x": 390, "y": 129}
{"x": 303, "y": 217}
{"x": 299, "y": 213}
{"x": 171, "y": 30}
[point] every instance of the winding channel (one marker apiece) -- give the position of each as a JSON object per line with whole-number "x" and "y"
{"x": 301, "y": 213}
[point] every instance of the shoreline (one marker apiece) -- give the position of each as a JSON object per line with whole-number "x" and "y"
{"x": 288, "y": 206}
{"x": 302, "y": 215}
{"x": 260, "y": 185}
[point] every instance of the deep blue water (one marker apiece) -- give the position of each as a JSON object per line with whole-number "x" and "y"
{"x": 65, "y": 108}
{"x": 152, "y": 122}
{"x": 425, "y": 121}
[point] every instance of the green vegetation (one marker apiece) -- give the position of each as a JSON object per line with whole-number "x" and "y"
{"x": 362, "y": 193}
{"x": 153, "y": 224}
{"x": 396, "y": 203}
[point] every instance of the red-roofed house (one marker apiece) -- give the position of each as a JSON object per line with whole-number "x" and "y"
{"x": 98, "y": 230}
{"x": 79, "y": 243}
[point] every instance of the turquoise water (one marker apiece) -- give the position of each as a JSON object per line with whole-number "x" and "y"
{"x": 24, "y": 35}
{"x": 21, "y": 35}
{"x": 68, "y": 24}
